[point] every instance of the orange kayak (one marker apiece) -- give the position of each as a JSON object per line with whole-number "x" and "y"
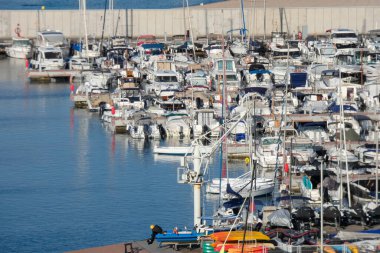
{"x": 236, "y": 236}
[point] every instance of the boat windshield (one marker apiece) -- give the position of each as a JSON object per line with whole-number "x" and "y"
{"x": 166, "y": 79}
{"x": 55, "y": 38}
{"x": 21, "y": 43}
{"x": 198, "y": 81}
{"x": 271, "y": 141}
{"x": 302, "y": 146}
{"x": 293, "y": 54}
{"x": 229, "y": 78}
{"x": 53, "y": 55}
{"x": 344, "y": 35}
{"x": 328, "y": 51}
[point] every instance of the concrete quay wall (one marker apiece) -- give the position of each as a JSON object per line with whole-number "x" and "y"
{"x": 170, "y": 22}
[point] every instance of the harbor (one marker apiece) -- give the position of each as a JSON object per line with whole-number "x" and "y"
{"x": 233, "y": 126}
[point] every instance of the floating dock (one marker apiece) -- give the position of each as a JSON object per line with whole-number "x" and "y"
{"x": 48, "y": 74}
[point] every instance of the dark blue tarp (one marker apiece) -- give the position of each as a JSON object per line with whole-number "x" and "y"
{"x": 261, "y": 90}
{"x": 334, "y": 108}
{"x": 259, "y": 71}
{"x": 298, "y": 79}
{"x": 311, "y": 124}
{"x": 153, "y": 46}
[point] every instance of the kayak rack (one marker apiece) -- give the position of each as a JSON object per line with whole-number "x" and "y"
{"x": 176, "y": 245}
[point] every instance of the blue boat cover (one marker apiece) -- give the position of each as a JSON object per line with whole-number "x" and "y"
{"x": 261, "y": 90}
{"x": 77, "y": 47}
{"x": 307, "y": 183}
{"x": 298, "y": 79}
{"x": 153, "y": 46}
{"x": 181, "y": 236}
{"x": 259, "y": 71}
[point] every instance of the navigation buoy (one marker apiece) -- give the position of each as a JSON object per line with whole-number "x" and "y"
{"x": 113, "y": 110}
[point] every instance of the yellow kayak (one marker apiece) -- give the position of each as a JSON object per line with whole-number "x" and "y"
{"x": 353, "y": 248}
{"x": 239, "y": 235}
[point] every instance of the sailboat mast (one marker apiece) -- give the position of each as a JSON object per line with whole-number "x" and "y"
{"x": 84, "y": 7}
{"x": 191, "y": 29}
{"x": 342, "y": 126}
{"x": 243, "y": 19}
{"x": 322, "y": 168}
{"x": 377, "y": 164}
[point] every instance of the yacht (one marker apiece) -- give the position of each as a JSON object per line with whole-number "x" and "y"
{"x": 53, "y": 38}
{"x": 21, "y": 48}
{"x": 47, "y": 58}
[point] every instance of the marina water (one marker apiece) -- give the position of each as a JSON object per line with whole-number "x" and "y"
{"x": 67, "y": 183}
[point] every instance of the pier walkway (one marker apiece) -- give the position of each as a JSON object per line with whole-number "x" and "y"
{"x": 137, "y": 247}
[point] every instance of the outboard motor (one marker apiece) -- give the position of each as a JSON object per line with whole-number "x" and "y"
{"x": 102, "y": 107}
{"x": 162, "y": 131}
{"x": 199, "y": 103}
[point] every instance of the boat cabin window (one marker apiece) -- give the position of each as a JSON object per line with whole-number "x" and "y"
{"x": 229, "y": 65}
{"x": 302, "y": 146}
{"x": 292, "y": 54}
{"x": 53, "y": 55}
{"x": 205, "y": 118}
{"x": 271, "y": 141}
{"x": 55, "y": 38}
{"x": 166, "y": 79}
{"x": 229, "y": 78}
{"x": 130, "y": 93}
{"x": 343, "y": 35}
{"x": 21, "y": 43}
{"x": 345, "y": 60}
{"x": 328, "y": 51}
{"x": 361, "y": 57}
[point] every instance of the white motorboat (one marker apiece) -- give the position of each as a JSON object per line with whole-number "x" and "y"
{"x": 180, "y": 150}
{"x": 21, "y": 48}
{"x": 47, "y": 58}
{"x": 53, "y": 38}
{"x": 237, "y": 48}
{"x": 241, "y": 185}
{"x": 367, "y": 153}
{"x": 335, "y": 155}
{"x": 269, "y": 153}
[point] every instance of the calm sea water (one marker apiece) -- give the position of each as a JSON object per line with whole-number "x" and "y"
{"x": 96, "y": 4}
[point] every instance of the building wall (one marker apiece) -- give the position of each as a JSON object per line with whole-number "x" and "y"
{"x": 173, "y": 21}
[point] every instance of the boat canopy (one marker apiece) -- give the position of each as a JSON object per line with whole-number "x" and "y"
{"x": 153, "y": 46}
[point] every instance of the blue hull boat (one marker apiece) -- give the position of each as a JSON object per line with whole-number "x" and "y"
{"x": 181, "y": 236}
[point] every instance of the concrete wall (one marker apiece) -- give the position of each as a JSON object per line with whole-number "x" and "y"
{"x": 172, "y": 21}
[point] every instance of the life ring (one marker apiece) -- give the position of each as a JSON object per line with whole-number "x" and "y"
{"x": 18, "y": 31}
